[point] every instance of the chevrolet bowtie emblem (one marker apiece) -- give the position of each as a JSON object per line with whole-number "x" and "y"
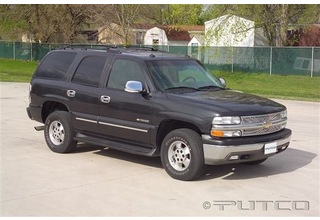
{"x": 267, "y": 124}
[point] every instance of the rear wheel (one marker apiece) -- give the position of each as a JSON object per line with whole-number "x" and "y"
{"x": 59, "y": 132}
{"x": 182, "y": 154}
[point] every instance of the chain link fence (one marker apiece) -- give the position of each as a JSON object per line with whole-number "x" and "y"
{"x": 269, "y": 60}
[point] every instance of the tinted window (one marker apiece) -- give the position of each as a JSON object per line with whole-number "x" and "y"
{"x": 55, "y": 65}
{"x": 123, "y": 71}
{"x": 168, "y": 74}
{"x": 90, "y": 70}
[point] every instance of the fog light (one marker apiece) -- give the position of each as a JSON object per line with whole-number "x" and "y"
{"x": 234, "y": 157}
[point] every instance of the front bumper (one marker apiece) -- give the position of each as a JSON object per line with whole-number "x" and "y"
{"x": 241, "y": 150}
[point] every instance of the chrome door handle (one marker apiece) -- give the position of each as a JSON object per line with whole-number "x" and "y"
{"x": 105, "y": 99}
{"x": 71, "y": 93}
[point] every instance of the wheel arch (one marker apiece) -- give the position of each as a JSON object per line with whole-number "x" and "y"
{"x": 50, "y": 106}
{"x": 168, "y": 125}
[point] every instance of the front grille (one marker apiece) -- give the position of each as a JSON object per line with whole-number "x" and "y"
{"x": 254, "y": 125}
{"x": 262, "y": 124}
{"x": 261, "y": 118}
{"x": 262, "y": 130}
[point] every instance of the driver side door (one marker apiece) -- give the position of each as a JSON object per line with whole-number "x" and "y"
{"x": 124, "y": 116}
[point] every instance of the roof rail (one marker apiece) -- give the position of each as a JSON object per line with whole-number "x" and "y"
{"x": 141, "y": 47}
{"x": 145, "y": 48}
{"x": 89, "y": 46}
{"x": 113, "y": 48}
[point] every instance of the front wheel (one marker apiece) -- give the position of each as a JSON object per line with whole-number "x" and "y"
{"x": 59, "y": 132}
{"x": 182, "y": 154}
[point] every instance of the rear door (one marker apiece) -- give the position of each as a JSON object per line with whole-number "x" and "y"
{"x": 84, "y": 92}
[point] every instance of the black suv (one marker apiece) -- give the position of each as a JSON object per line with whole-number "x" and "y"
{"x": 152, "y": 103}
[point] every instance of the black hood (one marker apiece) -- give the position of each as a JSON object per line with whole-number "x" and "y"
{"x": 229, "y": 102}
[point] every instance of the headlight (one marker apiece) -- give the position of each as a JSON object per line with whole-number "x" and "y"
{"x": 284, "y": 114}
{"x": 229, "y": 120}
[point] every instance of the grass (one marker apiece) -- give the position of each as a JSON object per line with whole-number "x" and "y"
{"x": 275, "y": 86}
{"x": 16, "y": 70}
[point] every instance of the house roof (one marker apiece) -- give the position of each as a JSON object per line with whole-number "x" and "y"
{"x": 173, "y": 33}
{"x": 200, "y": 39}
{"x": 176, "y": 34}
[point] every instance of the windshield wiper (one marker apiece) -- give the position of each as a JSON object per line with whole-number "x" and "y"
{"x": 182, "y": 87}
{"x": 209, "y": 87}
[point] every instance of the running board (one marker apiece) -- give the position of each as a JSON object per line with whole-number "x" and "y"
{"x": 126, "y": 147}
{"x": 39, "y": 128}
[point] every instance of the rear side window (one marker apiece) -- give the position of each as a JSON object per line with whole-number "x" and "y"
{"x": 90, "y": 70}
{"x": 55, "y": 65}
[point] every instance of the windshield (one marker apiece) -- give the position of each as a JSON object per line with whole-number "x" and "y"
{"x": 171, "y": 74}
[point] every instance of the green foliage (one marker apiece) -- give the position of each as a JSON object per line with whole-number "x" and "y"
{"x": 182, "y": 14}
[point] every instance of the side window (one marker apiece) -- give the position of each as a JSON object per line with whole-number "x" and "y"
{"x": 55, "y": 65}
{"x": 123, "y": 71}
{"x": 90, "y": 70}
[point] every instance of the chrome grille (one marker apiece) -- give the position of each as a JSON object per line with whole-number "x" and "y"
{"x": 253, "y": 125}
{"x": 261, "y": 118}
{"x": 262, "y": 130}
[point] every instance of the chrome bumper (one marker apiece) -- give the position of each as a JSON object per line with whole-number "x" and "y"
{"x": 219, "y": 154}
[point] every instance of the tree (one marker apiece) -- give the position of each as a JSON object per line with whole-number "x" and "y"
{"x": 45, "y": 23}
{"x": 62, "y": 23}
{"x": 125, "y": 15}
{"x": 182, "y": 14}
{"x": 272, "y": 18}
{"x": 117, "y": 20}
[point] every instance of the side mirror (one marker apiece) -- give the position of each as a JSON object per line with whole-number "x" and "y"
{"x": 134, "y": 87}
{"x": 223, "y": 82}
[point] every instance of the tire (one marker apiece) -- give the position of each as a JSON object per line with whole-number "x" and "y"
{"x": 182, "y": 154}
{"x": 256, "y": 162}
{"x": 59, "y": 133}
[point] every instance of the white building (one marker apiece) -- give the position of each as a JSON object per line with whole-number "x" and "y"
{"x": 167, "y": 36}
{"x": 233, "y": 32}
{"x": 195, "y": 45}
{"x": 155, "y": 36}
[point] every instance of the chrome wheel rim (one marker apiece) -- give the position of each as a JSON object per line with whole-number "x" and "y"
{"x": 179, "y": 155}
{"x": 56, "y": 133}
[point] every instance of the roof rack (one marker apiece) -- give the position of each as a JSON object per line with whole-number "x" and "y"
{"x": 113, "y": 48}
{"x": 141, "y": 47}
{"x": 89, "y": 46}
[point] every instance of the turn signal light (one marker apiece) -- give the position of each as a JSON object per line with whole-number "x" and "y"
{"x": 217, "y": 133}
